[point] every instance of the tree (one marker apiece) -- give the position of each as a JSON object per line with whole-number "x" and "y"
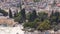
{"x": 15, "y": 14}
{"x": 32, "y": 16}
{"x": 23, "y": 15}
{"x": 3, "y": 12}
{"x": 54, "y": 18}
{"x": 42, "y": 16}
{"x": 45, "y": 25}
{"x": 10, "y": 13}
{"x": 33, "y": 24}
{"x": 17, "y": 19}
{"x": 29, "y": 24}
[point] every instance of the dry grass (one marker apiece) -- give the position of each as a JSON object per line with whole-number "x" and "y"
{"x": 7, "y": 21}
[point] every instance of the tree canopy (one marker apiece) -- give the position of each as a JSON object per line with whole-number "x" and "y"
{"x": 3, "y": 12}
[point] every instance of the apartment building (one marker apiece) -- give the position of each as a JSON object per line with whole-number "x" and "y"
{"x": 42, "y": 4}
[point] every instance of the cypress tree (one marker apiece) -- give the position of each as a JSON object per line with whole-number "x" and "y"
{"x": 23, "y": 15}
{"x": 33, "y": 16}
{"x": 10, "y": 13}
{"x": 15, "y": 14}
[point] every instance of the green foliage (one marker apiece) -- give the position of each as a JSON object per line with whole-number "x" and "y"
{"x": 45, "y": 25}
{"x": 15, "y": 14}
{"x": 28, "y": 15}
{"x": 32, "y": 16}
{"x": 42, "y": 16}
{"x": 33, "y": 24}
{"x": 17, "y": 19}
{"x": 3, "y": 12}
{"x": 55, "y": 17}
{"x": 55, "y": 20}
{"x": 40, "y": 21}
{"x": 21, "y": 16}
